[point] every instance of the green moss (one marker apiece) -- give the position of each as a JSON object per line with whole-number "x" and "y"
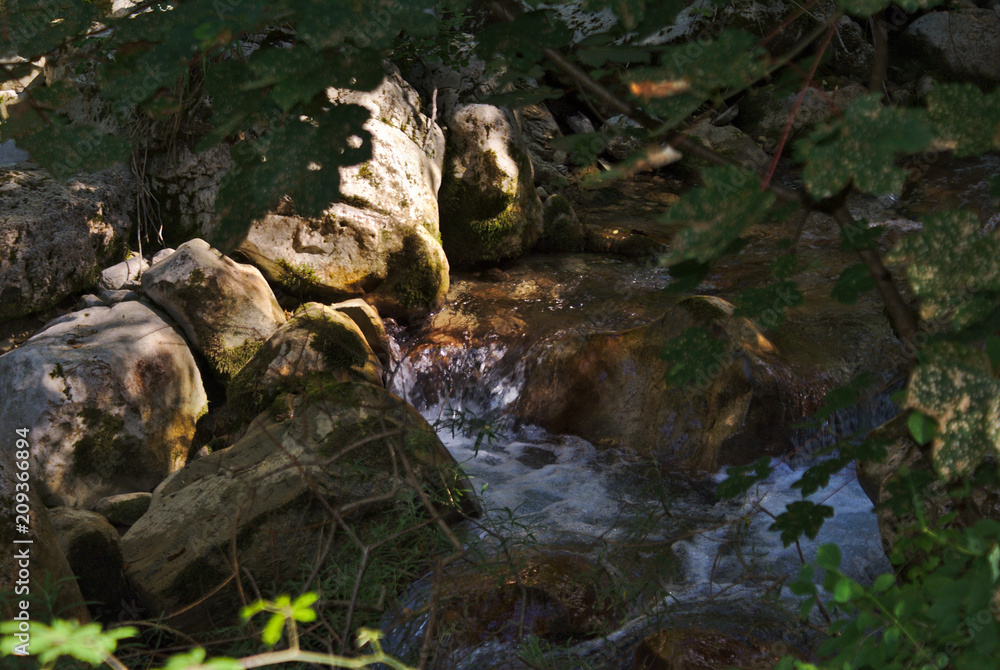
{"x": 227, "y": 361}
{"x": 356, "y": 201}
{"x": 366, "y": 173}
{"x": 340, "y": 346}
{"x": 417, "y": 275}
{"x": 480, "y": 225}
{"x": 104, "y": 447}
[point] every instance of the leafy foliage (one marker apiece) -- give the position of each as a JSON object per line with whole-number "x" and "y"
{"x": 953, "y": 269}
{"x": 715, "y": 215}
{"x": 859, "y": 148}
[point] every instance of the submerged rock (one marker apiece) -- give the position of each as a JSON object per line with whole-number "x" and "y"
{"x": 226, "y": 309}
{"x": 110, "y": 395}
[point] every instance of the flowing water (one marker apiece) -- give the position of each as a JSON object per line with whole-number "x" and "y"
{"x": 679, "y": 555}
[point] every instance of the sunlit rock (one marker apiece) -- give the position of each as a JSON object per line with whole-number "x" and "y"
{"x": 226, "y": 309}
{"x": 110, "y": 395}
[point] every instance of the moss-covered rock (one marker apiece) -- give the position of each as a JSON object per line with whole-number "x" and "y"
{"x": 317, "y": 340}
{"x": 225, "y": 308}
{"x": 265, "y": 502}
{"x": 490, "y": 210}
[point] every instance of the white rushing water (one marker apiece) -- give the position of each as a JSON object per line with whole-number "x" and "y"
{"x": 562, "y": 491}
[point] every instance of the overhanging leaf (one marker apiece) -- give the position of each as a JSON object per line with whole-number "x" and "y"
{"x": 963, "y": 114}
{"x": 953, "y": 269}
{"x": 715, "y": 215}
{"x": 768, "y": 304}
{"x": 964, "y": 400}
{"x": 801, "y": 518}
{"x": 853, "y": 281}
{"x": 861, "y": 146}
{"x": 693, "y": 355}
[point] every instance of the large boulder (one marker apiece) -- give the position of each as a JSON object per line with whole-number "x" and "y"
{"x": 57, "y": 236}
{"x": 490, "y": 210}
{"x": 29, "y": 571}
{"x": 110, "y": 395}
{"x": 317, "y": 340}
{"x": 380, "y": 240}
{"x": 226, "y": 309}
{"x": 282, "y": 495}
{"x": 959, "y": 45}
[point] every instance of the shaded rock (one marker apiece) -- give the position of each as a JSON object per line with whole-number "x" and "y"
{"x": 110, "y": 395}
{"x": 367, "y": 319}
{"x": 46, "y": 564}
{"x": 57, "y": 235}
{"x": 553, "y": 595}
{"x": 959, "y": 45}
{"x": 763, "y": 115}
{"x": 124, "y": 275}
{"x": 562, "y": 228}
{"x": 317, "y": 340}
{"x": 186, "y": 184}
{"x": 732, "y": 143}
{"x": 93, "y": 548}
{"x": 539, "y": 128}
{"x": 852, "y": 53}
{"x": 114, "y": 297}
{"x": 124, "y": 509}
{"x": 259, "y": 502}
{"x": 490, "y": 209}
{"x": 225, "y": 308}
{"x": 699, "y": 649}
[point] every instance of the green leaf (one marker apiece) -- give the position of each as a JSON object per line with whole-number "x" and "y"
{"x": 860, "y": 146}
{"x": 953, "y": 269}
{"x": 922, "y": 427}
{"x": 195, "y": 660}
{"x": 842, "y": 591}
{"x": 965, "y": 403}
{"x": 66, "y": 150}
{"x": 715, "y": 215}
{"x": 853, "y": 281}
{"x": 692, "y": 357}
{"x": 768, "y": 304}
{"x": 733, "y": 60}
{"x": 993, "y": 350}
{"x": 801, "y": 517}
{"x": 828, "y": 556}
{"x": 861, "y": 235}
{"x": 884, "y": 582}
{"x": 739, "y": 478}
{"x": 965, "y": 116}
{"x": 84, "y": 642}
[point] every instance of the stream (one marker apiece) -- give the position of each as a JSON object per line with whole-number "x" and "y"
{"x": 677, "y": 554}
